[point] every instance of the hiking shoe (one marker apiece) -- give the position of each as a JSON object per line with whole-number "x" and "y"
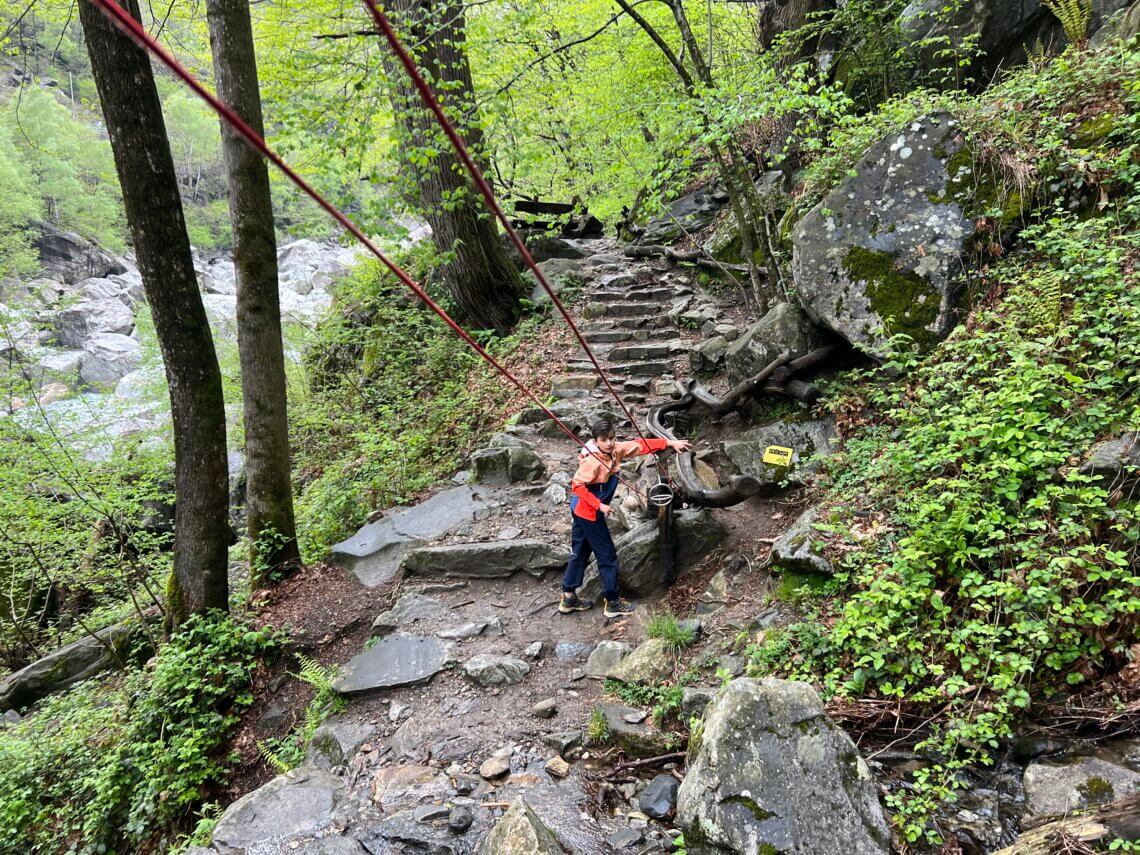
{"x": 573, "y": 603}
{"x": 619, "y": 608}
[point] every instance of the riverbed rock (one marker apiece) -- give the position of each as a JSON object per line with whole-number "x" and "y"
{"x": 882, "y": 253}
{"x": 374, "y": 553}
{"x": 299, "y": 802}
{"x": 65, "y": 667}
{"x": 651, "y": 663}
{"x": 494, "y": 559}
{"x": 397, "y": 660}
{"x": 489, "y": 670}
{"x": 520, "y": 832}
{"x": 626, "y": 729}
{"x": 773, "y": 773}
{"x": 108, "y": 358}
{"x": 806, "y": 439}
{"x": 497, "y": 765}
{"x": 75, "y": 324}
{"x": 71, "y": 258}
{"x": 659, "y": 798}
{"x": 795, "y": 549}
{"x": 1075, "y": 784}
{"x": 698, "y": 534}
{"x": 784, "y": 327}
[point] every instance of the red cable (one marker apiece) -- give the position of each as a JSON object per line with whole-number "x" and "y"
{"x": 134, "y": 30}
{"x": 460, "y": 147}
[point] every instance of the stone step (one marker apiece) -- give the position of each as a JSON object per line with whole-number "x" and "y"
{"x": 639, "y": 295}
{"x": 642, "y": 321}
{"x": 615, "y": 310}
{"x": 639, "y": 369}
{"x": 633, "y": 352}
{"x": 607, "y": 336}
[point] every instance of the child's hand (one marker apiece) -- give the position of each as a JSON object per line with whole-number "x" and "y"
{"x": 680, "y": 445}
{"x": 604, "y": 509}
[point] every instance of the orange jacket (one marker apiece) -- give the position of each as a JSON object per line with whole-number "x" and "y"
{"x": 595, "y": 468}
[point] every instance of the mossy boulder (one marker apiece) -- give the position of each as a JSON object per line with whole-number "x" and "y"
{"x": 772, "y": 773}
{"x": 883, "y": 252}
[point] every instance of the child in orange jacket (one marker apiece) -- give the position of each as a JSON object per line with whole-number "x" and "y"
{"x": 592, "y": 488}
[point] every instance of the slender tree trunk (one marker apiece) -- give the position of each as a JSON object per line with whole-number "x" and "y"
{"x": 269, "y": 492}
{"x": 135, "y": 125}
{"x": 482, "y": 279}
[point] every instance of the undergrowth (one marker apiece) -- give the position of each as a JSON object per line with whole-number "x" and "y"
{"x": 983, "y": 573}
{"x": 117, "y": 765}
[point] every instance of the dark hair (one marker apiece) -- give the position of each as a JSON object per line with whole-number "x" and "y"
{"x": 602, "y": 427}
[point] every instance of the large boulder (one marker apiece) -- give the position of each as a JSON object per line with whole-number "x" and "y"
{"x": 65, "y": 667}
{"x": 500, "y": 466}
{"x": 70, "y": 258}
{"x": 639, "y": 551}
{"x": 300, "y": 802}
{"x": 520, "y": 832}
{"x": 784, "y": 327}
{"x": 1116, "y": 462}
{"x": 493, "y": 559}
{"x": 80, "y": 321}
{"x": 651, "y": 663}
{"x": 108, "y": 358}
{"x": 374, "y": 553}
{"x": 806, "y": 439}
{"x": 690, "y": 213}
{"x": 773, "y": 773}
{"x": 882, "y": 253}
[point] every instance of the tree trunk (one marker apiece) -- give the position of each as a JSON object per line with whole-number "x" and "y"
{"x": 481, "y": 277}
{"x": 135, "y": 126}
{"x": 269, "y": 492}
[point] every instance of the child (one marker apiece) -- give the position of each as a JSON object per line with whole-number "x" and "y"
{"x": 593, "y": 487}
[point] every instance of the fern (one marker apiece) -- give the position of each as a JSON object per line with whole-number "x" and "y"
{"x": 1045, "y": 300}
{"x": 286, "y": 753}
{"x": 1074, "y": 16}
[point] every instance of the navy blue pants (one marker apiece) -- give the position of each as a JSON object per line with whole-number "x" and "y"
{"x": 592, "y": 538}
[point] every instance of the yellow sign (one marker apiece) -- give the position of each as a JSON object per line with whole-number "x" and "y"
{"x": 777, "y": 455}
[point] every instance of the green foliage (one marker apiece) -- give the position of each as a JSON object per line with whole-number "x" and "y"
{"x": 117, "y": 765}
{"x": 1074, "y": 16}
{"x": 288, "y": 752}
{"x": 20, "y": 207}
{"x": 597, "y": 729}
{"x": 666, "y": 626}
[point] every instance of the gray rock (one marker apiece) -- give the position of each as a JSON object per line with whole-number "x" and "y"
{"x": 494, "y": 559}
{"x": 659, "y": 798}
{"x": 882, "y": 253}
{"x": 488, "y": 670}
{"x": 459, "y": 820}
{"x": 564, "y": 742}
{"x": 605, "y": 657}
{"x": 397, "y": 660}
{"x": 503, "y": 466}
{"x": 784, "y": 327}
{"x": 1076, "y": 784}
{"x": 533, "y": 651}
{"x": 65, "y": 362}
{"x": 1117, "y": 463}
{"x": 715, "y": 595}
{"x": 520, "y": 831}
{"x": 497, "y": 765}
{"x": 698, "y": 534}
{"x": 296, "y": 803}
{"x": 331, "y": 846}
{"x": 708, "y": 356}
{"x": 65, "y": 667}
{"x": 555, "y": 495}
{"x": 374, "y": 553}
{"x": 11, "y": 717}
{"x": 694, "y": 700}
{"x": 772, "y": 771}
{"x": 80, "y": 321}
{"x": 806, "y": 439}
{"x": 336, "y": 742}
{"x": 473, "y": 629}
{"x": 651, "y": 663}
{"x": 1122, "y": 25}
{"x": 625, "y": 838}
{"x": 108, "y": 357}
{"x": 794, "y": 549}
{"x": 690, "y": 213}
{"x": 545, "y": 709}
{"x": 403, "y": 832}
{"x": 409, "y": 609}
{"x": 627, "y": 730}
{"x": 567, "y": 651}
{"x": 70, "y": 258}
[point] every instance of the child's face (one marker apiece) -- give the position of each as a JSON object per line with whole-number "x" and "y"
{"x": 605, "y": 443}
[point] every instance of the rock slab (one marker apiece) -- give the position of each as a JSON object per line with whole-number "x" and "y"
{"x": 495, "y": 559}
{"x": 299, "y": 802}
{"x": 773, "y": 773}
{"x": 398, "y": 660}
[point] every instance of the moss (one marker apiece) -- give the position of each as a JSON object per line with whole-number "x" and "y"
{"x": 175, "y": 603}
{"x": 1092, "y": 132}
{"x": 978, "y": 191}
{"x": 1096, "y": 791}
{"x": 758, "y": 812}
{"x": 901, "y": 298}
{"x": 792, "y": 581}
